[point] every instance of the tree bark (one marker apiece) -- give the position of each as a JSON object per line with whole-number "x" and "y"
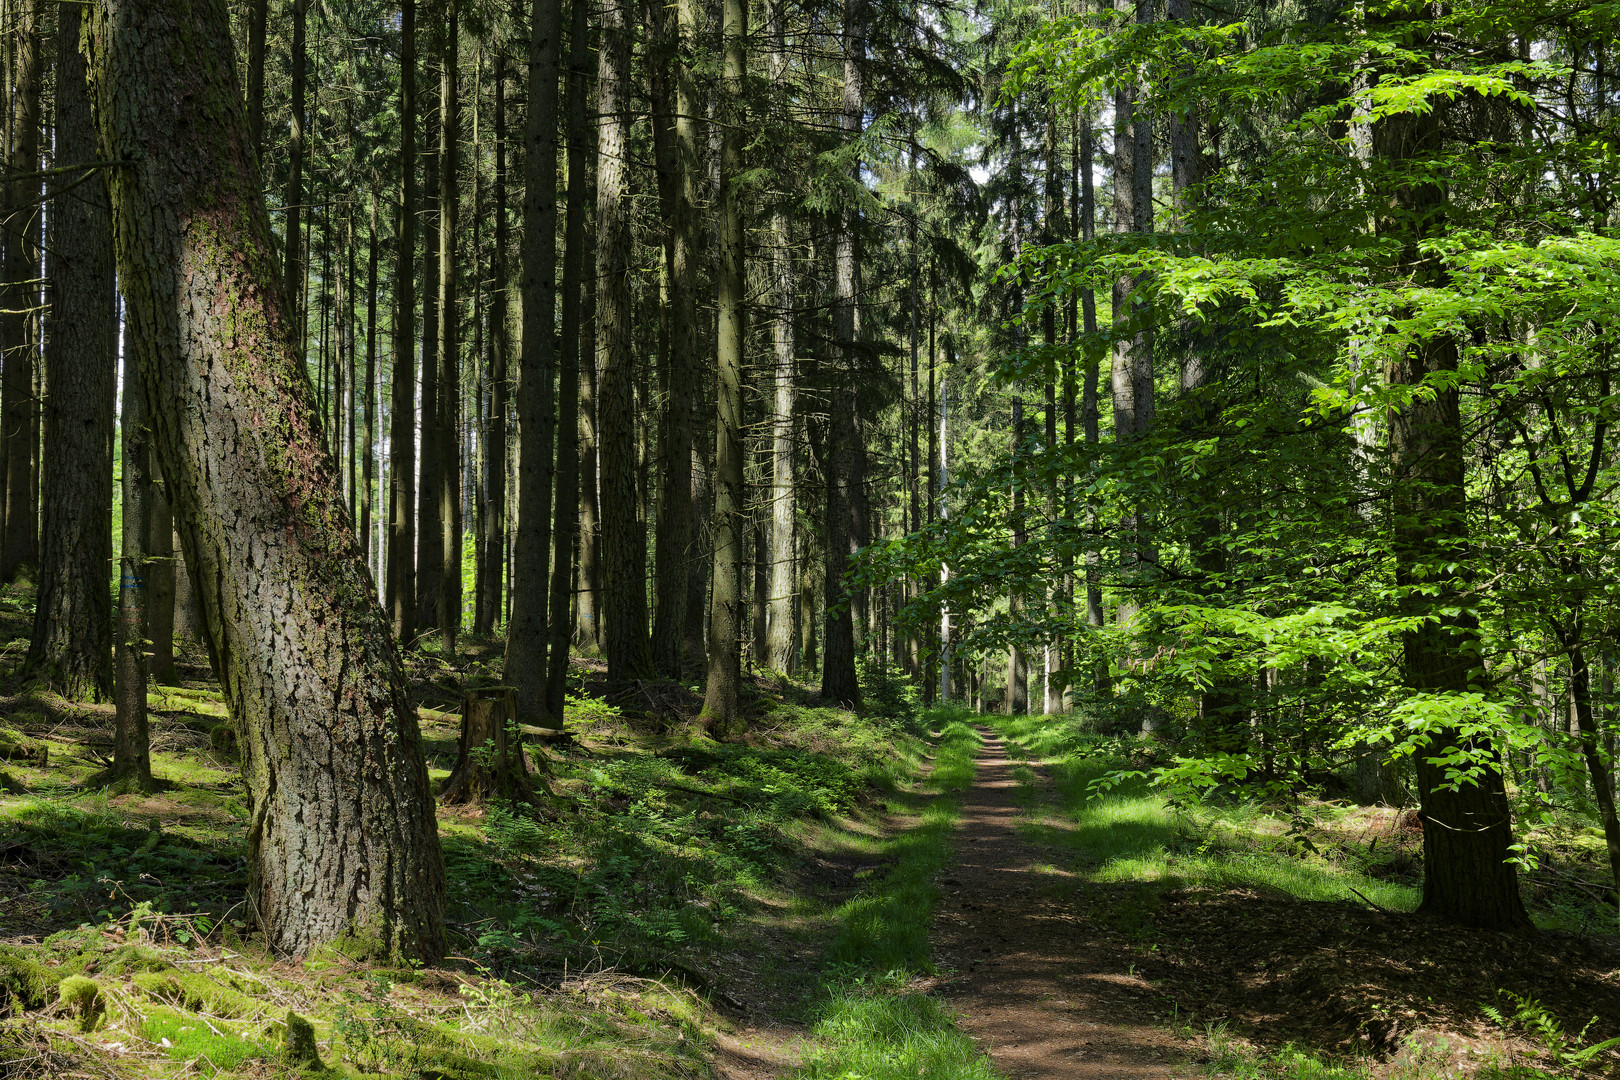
{"x": 526, "y": 635}
{"x": 22, "y": 234}
{"x": 430, "y": 466}
{"x": 449, "y": 344}
{"x": 588, "y": 572}
{"x": 132, "y": 757}
{"x": 293, "y": 239}
{"x": 624, "y": 595}
{"x": 342, "y": 848}
{"x": 258, "y": 23}
{"x": 676, "y": 533}
{"x": 565, "y": 531}
{"x": 490, "y": 764}
{"x": 160, "y": 578}
{"x": 838, "y": 679}
{"x": 492, "y": 551}
{"x": 781, "y": 653}
{"x": 401, "y": 587}
{"x": 70, "y": 650}
{"x": 721, "y": 712}
{"x": 368, "y": 447}
{"x": 1467, "y": 829}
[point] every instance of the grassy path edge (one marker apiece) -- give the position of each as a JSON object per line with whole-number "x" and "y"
{"x": 874, "y": 1025}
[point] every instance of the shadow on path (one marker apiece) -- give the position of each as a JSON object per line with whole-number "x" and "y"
{"x": 1042, "y": 991}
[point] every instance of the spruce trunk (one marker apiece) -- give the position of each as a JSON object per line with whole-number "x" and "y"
{"x": 342, "y": 846}
{"x": 70, "y": 650}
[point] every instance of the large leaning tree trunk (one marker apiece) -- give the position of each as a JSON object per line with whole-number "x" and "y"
{"x": 70, "y": 650}
{"x": 343, "y": 847}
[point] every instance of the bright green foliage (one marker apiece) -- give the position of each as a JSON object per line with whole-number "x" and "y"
{"x": 1273, "y": 601}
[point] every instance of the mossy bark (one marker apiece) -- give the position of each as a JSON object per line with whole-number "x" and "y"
{"x": 343, "y": 847}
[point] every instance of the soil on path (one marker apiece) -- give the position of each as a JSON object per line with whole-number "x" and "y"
{"x": 1044, "y": 992}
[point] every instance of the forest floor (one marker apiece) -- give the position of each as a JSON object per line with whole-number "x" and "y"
{"x": 1104, "y": 934}
{"x": 887, "y": 896}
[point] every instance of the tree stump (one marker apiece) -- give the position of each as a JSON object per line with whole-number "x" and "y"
{"x": 489, "y": 756}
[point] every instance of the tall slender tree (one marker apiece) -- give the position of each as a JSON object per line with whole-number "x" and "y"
{"x": 70, "y": 649}
{"x": 838, "y": 678}
{"x": 720, "y": 706}
{"x": 526, "y": 635}
{"x": 401, "y": 590}
{"x": 492, "y": 550}
{"x": 624, "y": 593}
{"x": 22, "y": 247}
{"x": 574, "y": 343}
{"x": 449, "y": 403}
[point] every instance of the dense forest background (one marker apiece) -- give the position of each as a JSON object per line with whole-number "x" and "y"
{"x": 1228, "y": 385}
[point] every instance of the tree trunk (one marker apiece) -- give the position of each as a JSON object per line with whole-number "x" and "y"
{"x": 342, "y": 848}
{"x": 1016, "y": 702}
{"x": 721, "y": 712}
{"x": 1580, "y": 692}
{"x": 624, "y": 595}
{"x": 368, "y": 447}
{"x": 783, "y": 588}
{"x": 22, "y": 234}
{"x": 1467, "y": 829}
{"x": 527, "y": 636}
{"x": 449, "y": 344}
{"x": 838, "y": 679}
{"x": 934, "y": 673}
{"x": 401, "y": 588}
{"x": 132, "y": 757}
{"x": 495, "y": 453}
{"x": 490, "y": 764}
{"x": 566, "y": 528}
{"x": 676, "y": 532}
{"x": 258, "y": 23}
{"x": 588, "y": 572}
{"x": 293, "y": 238}
{"x": 70, "y": 650}
{"x": 160, "y": 556}
{"x": 430, "y": 467}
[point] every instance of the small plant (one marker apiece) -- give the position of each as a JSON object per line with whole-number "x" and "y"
{"x": 1562, "y": 1052}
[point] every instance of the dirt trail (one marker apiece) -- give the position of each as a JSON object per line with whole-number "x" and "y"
{"x": 1044, "y": 993}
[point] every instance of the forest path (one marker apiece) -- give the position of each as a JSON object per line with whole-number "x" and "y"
{"x": 1043, "y": 991}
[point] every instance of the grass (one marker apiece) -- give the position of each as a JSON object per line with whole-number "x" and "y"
{"x": 1131, "y": 834}
{"x": 874, "y": 1025}
{"x": 669, "y": 860}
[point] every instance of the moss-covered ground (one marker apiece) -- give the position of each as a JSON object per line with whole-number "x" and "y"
{"x": 670, "y": 896}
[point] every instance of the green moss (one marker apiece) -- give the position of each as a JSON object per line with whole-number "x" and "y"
{"x": 81, "y": 997}
{"x": 298, "y": 1047}
{"x": 25, "y": 983}
{"x": 131, "y": 958}
{"x": 189, "y": 1039}
{"x": 195, "y": 992}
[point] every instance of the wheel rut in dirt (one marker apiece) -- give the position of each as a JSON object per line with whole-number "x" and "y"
{"x": 1042, "y": 990}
